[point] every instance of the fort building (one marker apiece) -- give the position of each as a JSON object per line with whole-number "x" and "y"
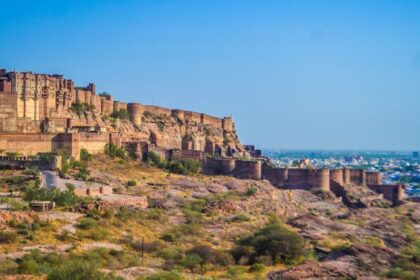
{"x": 37, "y": 115}
{"x": 41, "y": 113}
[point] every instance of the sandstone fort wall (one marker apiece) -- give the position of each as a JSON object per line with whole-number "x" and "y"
{"x": 395, "y": 193}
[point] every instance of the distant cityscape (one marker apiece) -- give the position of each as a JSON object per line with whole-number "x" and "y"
{"x": 397, "y": 167}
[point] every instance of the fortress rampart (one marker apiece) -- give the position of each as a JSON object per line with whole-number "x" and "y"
{"x": 394, "y": 193}
{"x": 31, "y": 144}
{"x": 28, "y": 99}
{"x": 119, "y": 106}
{"x": 138, "y": 110}
{"x": 306, "y": 178}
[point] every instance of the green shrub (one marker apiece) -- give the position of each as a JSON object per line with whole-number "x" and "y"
{"x": 78, "y": 270}
{"x": 131, "y": 183}
{"x": 64, "y": 198}
{"x": 85, "y": 155}
{"x": 276, "y": 241}
{"x": 172, "y": 236}
{"x": 196, "y": 205}
{"x": 154, "y": 214}
{"x": 122, "y": 114}
{"x": 113, "y": 151}
{"x": 251, "y": 191}
{"x": 155, "y": 160}
{"x": 14, "y": 204}
{"x": 87, "y": 223}
{"x": 407, "y": 265}
{"x": 184, "y": 166}
{"x": 8, "y": 267}
{"x": 32, "y": 171}
{"x": 257, "y": 267}
{"x": 79, "y": 107}
{"x": 7, "y": 236}
{"x": 192, "y": 262}
{"x": 241, "y": 218}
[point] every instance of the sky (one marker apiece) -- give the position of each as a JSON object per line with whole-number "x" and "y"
{"x": 293, "y": 74}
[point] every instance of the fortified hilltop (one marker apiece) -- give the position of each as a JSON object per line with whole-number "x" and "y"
{"x": 44, "y": 113}
{"x": 41, "y": 113}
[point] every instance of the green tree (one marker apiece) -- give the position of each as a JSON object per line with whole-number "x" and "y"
{"x": 278, "y": 242}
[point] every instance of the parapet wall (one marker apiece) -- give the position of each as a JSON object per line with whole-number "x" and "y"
{"x": 395, "y": 193}
{"x": 8, "y": 112}
{"x": 137, "y": 111}
{"x": 318, "y": 178}
{"x": 186, "y": 154}
{"x": 248, "y": 169}
{"x": 358, "y": 177}
{"x": 192, "y": 116}
{"x": 107, "y": 105}
{"x": 305, "y": 178}
{"x": 243, "y": 169}
{"x": 373, "y": 178}
{"x": 210, "y": 120}
{"x": 119, "y": 105}
{"x": 32, "y": 144}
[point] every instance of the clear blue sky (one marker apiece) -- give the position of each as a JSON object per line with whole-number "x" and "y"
{"x": 295, "y": 74}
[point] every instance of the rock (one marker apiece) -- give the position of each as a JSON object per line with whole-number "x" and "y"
{"x": 361, "y": 261}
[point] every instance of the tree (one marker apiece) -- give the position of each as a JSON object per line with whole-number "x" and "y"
{"x": 278, "y": 242}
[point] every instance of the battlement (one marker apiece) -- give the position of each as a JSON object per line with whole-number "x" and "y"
{"x": 137, "y": 111}
{"x": 36, "y": 97}
{"x": 306, "y": 178}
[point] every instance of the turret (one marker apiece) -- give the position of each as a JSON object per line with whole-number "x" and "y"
{"x": 136, "y": 111}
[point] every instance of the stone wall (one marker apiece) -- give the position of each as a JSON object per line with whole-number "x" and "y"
{"x": 210, "y": 120}
{"x": 243, "y": 169}
{"x": 395, "y": 193}
{"x": 31, "y": 144}
{"x": 107, "y": 105}
{"x": 8, "y": 113}
{"x": 119, "y": 105}
{"x": 38, "y": 94}
{"x": 192, "y": 116}
{"x": 186, "y": 154}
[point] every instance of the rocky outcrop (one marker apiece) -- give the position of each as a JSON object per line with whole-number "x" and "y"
{"x": 358, "y": 261}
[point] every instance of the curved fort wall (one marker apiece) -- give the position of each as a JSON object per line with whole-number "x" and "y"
{"x": 136, "y": 111}
{"x": 243, "y": 169}
{"x": 248, "y": 169}
{"x": 277, "y": 176}
{"x": 337, "y": 175}
{"x": 373, "y": 178}
{"x": 319, "y": 178}
{"x": 395, "y": 193}
{"x": 228, "y": 166}
{"x": 358, "y": 177}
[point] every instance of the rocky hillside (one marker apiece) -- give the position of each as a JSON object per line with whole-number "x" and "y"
{"x": 166, "y": 132}
{"x": 209, "y": 227}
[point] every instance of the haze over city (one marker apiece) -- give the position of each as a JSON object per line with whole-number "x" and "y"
{"x": 294, "y": 75}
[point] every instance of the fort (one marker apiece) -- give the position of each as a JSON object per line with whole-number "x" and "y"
{"x": 37, "y": 115}
{"x": 41, "y": 113}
